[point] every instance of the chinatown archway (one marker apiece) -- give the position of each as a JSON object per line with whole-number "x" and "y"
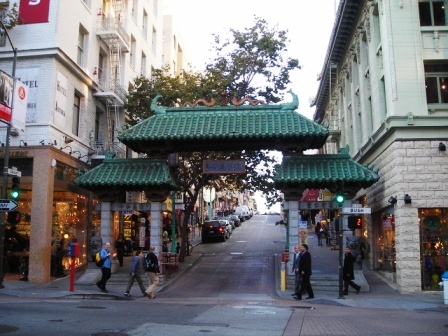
{"x": 228, "y": 126}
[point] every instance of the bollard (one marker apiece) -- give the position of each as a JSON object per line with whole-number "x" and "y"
{"x": 445, "y": 287}
{"x": 283, "y": 278}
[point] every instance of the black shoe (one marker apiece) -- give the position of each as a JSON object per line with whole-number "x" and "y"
{"x": 295, "y": 297}
{"x": 104, "y": 290}
{"x": 127, "y": 294}
{"x": 345, "y": 293}
{"x": 144, "y": 294}
{"x": 309, "y": 298}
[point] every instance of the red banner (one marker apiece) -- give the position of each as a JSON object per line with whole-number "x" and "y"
{"x": 33, "y": 11}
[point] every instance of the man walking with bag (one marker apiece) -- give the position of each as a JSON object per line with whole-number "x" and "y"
{"x": 152, "y": 271}
{"x": 105, "y": 268}
{"x": 137, "y": 270}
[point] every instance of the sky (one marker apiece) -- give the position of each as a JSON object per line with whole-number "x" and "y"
{"x": 309, "y": 24}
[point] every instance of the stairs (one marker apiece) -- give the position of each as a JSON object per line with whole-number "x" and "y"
{"x": 319, "y": 282}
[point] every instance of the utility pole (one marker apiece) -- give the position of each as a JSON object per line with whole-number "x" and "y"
{"x": 6, "y": 164}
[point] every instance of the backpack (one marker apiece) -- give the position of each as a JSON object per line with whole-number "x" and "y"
{"x": 98, "y": 261}
{"x": 149, "y": 264}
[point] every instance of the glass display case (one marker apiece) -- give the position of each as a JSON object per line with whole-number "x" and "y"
{"x": 433, "y": 250}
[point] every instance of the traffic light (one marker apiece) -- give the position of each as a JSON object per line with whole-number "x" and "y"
{"x": 354, "y": 222}
{"x": 15, "y": 188}
{"x": 13, "y": 217}
{"x": 340, "y": 198}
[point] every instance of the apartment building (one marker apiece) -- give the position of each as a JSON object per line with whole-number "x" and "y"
{"x": 383, "y": 93}
{"x": 77, "y": 58}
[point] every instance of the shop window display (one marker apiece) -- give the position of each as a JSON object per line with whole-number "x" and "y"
{"x": 69, "y": 225}
{"x": 434, "y": 243}
{"x": 386, "y": 257}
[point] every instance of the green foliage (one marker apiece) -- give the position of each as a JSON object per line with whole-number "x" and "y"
{"x": 252, "y": 62}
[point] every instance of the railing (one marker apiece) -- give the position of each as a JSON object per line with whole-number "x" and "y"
{"x": 101, "y": 147}
{"x": 111, "y": 85}
{"x": 115, "y": 25}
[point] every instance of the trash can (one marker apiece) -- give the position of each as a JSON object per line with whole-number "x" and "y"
{"x": 445, "y": 287}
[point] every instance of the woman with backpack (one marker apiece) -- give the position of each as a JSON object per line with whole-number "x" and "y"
{"x": 152, "y": 271}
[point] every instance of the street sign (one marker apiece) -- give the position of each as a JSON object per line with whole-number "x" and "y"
{"x": 14, "y": 172}
{"x": 352, "y": 211}
{"x": 8, "y": 205}
{"x": 224, "y": 167}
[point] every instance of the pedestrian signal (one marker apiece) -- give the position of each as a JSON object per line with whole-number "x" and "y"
{"x": 354, "y": 222}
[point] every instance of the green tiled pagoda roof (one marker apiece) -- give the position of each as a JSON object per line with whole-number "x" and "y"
{"x": 127, "y": 175}
{"x": 323, "y": 171}
{"x": 227, "y": 127}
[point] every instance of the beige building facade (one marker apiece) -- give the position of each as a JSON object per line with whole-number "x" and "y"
{"x": 383, "y": 93}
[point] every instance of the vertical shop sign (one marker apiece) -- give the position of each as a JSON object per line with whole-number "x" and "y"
{"x": 30, "y": 77}
{"x": 61, "y": 100}
{"x": 6, "y": 92}
{"x": 33, "y": 11}
{"x": 20, "y": 104}
{"x": 303, "y": 232}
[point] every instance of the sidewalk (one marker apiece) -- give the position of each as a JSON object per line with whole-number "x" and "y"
{"x": 380, "y": 293}
{"x": 85, "y": 282}
{"x": 325, "y": 262}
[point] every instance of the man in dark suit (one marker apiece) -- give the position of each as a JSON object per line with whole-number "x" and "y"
{"x": 348, "y": 273}
{"x": 295, "y": 270}
{"x": 305, "y": 273}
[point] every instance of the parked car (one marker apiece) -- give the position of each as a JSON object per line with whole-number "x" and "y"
{"x": 231, "y": 221}
{"x": 228, "y": 227}
{"x": 213, "y": 230}
{"x": 236, "y": 220}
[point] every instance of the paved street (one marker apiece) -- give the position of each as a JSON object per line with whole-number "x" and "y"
{"x": 226, "y": 288}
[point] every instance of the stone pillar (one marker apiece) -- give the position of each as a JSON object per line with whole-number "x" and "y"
{"x": 407, "y": 249}
{"x": 293, "y": 227}
{"x": 156, "y": 226}
{"x": 107, "y": 224}
{"x": 41, "y": 214}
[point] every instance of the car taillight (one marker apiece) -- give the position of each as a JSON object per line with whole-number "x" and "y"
{"x": 220, "y": 229}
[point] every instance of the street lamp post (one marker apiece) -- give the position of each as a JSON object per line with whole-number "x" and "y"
{"x": 6, "y": 164}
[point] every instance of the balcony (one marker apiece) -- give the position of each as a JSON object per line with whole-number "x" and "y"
{"x": 100, "y": 147}
{"x": 111, "y": 30}
{"x": 111, "y": 90}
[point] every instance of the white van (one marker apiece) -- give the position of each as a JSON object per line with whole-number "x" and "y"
{"x": 244, "y": 210}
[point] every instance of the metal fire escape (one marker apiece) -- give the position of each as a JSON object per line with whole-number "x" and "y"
{"x": 111, "y": 31}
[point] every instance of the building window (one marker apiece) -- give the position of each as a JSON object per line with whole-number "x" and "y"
{"x": 81, "y": 44}
{"x": 154, "y": 40}
{"x": 155, "y": 5}
{"x": 75, "y": 115}
{"x": 133, "y": 52}
{"x": 143, "y": 67}
{"x": 436, "y": 82}
{"x": 432, "y": 13}
{"x": 135, "y": 10}
{"x": 145, "y": 25}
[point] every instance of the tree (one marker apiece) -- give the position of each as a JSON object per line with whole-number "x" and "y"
{"x": 253, "y": 56}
